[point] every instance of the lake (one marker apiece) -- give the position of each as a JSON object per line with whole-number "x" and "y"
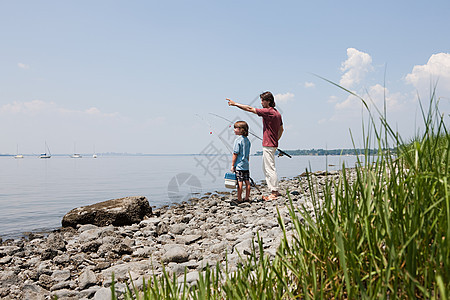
{"x": 36, "y": 193}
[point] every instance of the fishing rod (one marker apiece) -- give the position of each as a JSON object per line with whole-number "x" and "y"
{"x": 252, "y": 183}
{"x": 281, "y": 152}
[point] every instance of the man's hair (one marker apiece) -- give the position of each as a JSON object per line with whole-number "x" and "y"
{"x": 243, "y": 125}
{"x": 268, "y": 97}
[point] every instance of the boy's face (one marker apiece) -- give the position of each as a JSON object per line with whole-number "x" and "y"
{"x": 237, "y": 131}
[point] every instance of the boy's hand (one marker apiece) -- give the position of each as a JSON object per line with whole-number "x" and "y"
{"x": 231, "y": 102}
{"x": 233, "y": 169}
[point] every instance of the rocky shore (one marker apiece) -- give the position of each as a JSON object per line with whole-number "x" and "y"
{"x": 78, "y": 263}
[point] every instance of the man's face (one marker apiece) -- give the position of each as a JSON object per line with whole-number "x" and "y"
{"x": 264, "y": 103}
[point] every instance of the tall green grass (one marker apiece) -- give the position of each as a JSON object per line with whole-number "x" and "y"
{"x": 380, "y": 231}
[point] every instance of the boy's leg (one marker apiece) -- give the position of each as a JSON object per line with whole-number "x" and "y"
{"x": 239, "y": 191}
{"x": 247, "y": 190}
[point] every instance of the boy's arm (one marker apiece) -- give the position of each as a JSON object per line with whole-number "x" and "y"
{"x": 241, "y": 106}
{"x": 233, "y": 162}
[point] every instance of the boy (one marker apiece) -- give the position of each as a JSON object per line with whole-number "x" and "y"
{"x": 240, "y": 161}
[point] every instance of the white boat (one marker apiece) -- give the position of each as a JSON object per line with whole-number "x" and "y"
{"x": 45, "y": 155}
{"x": 94, "y": 156}
{"x": 18, "y": 155}
{"x": 75, "y": 154}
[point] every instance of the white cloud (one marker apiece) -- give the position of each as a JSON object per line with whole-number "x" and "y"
{"x": 357, "y": 65}
{"x": 97, "y": 112}
{"x": 31, "y": 107}
{"x": 380, "y": 95}
{"x": 350, "y": 103}
{"x": 309, "y": 84}
{"x": 284, "y": 97}
{"x": 436, "y": 70}
{"x": 35, "y": 107}
{"x": 333, "y": 99}
{"x": 23, "y": 66}
{"x": 376, "y": 95}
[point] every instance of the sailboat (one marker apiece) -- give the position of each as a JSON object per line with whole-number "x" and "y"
{"x": 45, "y": 155}
{"x": 17, "y": 153}
{"x": 75, "y": 155}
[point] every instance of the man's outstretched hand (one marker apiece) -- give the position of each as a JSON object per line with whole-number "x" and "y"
{"x": 231, "y": 102}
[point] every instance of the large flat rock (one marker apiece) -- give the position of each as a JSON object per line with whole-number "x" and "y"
{"x": 117, "y": 212}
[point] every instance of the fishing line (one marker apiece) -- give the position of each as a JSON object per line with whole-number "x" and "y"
{"x": 214, "y": 132}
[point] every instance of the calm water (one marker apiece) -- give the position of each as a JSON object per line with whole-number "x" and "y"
{"x": 36, "y": 193}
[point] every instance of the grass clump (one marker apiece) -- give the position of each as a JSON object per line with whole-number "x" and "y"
{"x": 381, "y": 231}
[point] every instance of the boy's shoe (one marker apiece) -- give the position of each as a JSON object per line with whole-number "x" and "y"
{"x": 242, "y": 203}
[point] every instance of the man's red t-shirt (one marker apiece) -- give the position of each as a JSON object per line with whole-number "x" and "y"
{"x": 271, "y": 125}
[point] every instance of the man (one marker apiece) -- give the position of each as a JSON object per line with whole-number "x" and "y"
{"x": 272, "y": 131}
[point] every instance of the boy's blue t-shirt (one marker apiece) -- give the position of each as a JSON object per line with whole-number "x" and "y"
{"x": 242, "y": 149}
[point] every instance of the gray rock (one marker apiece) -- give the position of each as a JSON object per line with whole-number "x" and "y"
{"x": 60, "y": 286}
{"x": 5, "y": 260}
{"x": 91, "y": 246}
{"x": 46, "y": 281}
{"x": 90, "y": 292}
{"x": 153, "y": 221}
{"x": 244, "y": 247}
{"x": 102, "y": 265}
{"x": 162, "y": 228}
{"x": 78, "y": 259}
{"x": 65, "y": 294}
{"x": 143, "y": 252}
{"x": 117, "y": 212}
{"x": 89, "y": 235}
{"x": 8, "y": 278}
{"x": 186, "y": 218}
{"x": 121, "y": 271}
{"x": 188, "y": 239}
{"x": 178, "y": 228}
{"x": 55, "y": 241}
{"x": 33, "y": 292}
{"x": 87, "y": 279}
{"x": 191, "y": 278}
{"x": 103, "y": 294}
{"x": 174, "y": 268}
{"x": 48, "y": 254}
{"x": 62, "y": 259}
{"x": 61, "y": 275}
{"x": 176, "y": 253}
{"x": 85, "y": 227}
{"x": 219, "y": 247}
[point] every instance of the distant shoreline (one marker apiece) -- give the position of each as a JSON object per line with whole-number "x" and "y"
{"x": 310, "y": 152}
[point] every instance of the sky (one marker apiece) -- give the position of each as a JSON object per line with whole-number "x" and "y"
{"x": 145, "y": 76}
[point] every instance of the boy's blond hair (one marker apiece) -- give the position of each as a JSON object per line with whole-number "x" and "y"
{"x": 243, "y": 125}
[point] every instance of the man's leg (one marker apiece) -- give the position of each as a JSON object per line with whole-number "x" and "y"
{"x": 269, "y": 169}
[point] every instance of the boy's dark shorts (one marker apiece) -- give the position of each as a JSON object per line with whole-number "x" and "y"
{"x": 242, "y": 175}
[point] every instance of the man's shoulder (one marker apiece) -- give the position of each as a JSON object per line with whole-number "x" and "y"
{"x": 270, "y": 111}
{"x": 264, "y": 111}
